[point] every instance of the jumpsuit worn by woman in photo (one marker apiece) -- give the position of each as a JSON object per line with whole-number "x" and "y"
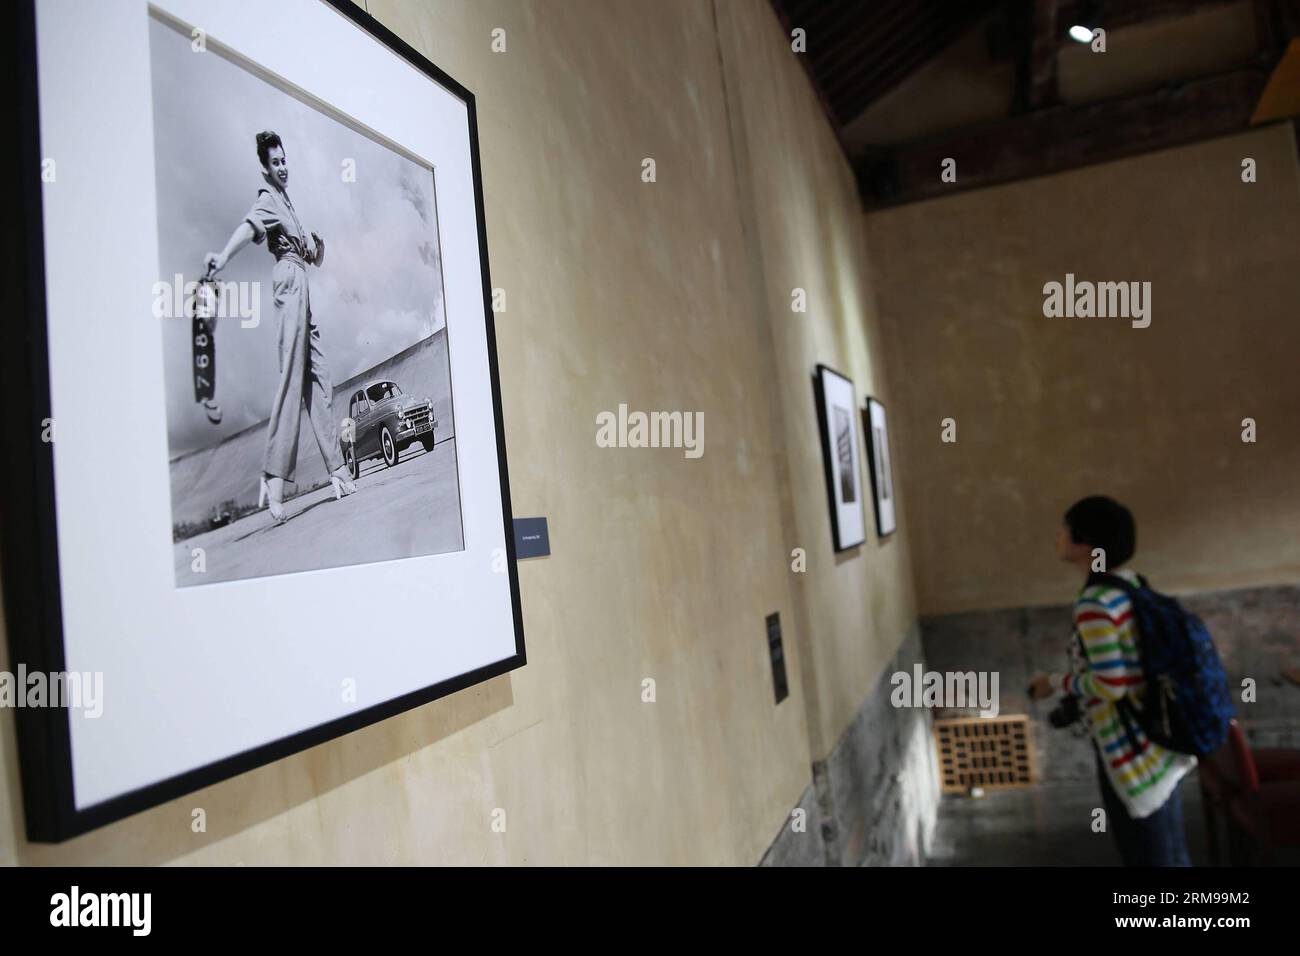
{"x": 304, "y": 374}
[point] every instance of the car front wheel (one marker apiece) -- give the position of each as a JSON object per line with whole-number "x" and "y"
{"x": 350, "y": 458}
{"x": 389, "y": 447}
{"x": 427, "y": 440}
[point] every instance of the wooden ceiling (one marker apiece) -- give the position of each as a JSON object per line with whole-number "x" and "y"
{"x": 859, "y": 50}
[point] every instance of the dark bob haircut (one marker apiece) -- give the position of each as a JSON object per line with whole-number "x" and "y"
{"x": 266, "y": 142}
{"x": 1103, "y": 523}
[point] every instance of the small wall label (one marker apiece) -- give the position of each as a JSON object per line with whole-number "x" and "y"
{"x": 532, "y": 538}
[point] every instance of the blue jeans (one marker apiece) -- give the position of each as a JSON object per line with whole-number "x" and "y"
{"x": 1154, "y": 840}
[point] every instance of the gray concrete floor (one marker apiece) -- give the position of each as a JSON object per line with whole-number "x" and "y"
{"x": 1044, "y": 826}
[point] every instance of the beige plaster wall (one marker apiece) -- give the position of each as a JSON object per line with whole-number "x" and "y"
{"x": 665, "y": 296}
{"x": 854, "y": 608}
{"x": 1051, "y": 409}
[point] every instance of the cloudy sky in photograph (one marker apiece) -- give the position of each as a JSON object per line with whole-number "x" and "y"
{"x": 379, "y": 289}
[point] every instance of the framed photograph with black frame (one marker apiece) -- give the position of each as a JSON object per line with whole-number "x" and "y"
{"x": 882, "y": 466}
{"x": 257, "y": 495}
{"x": 836, "y": 415}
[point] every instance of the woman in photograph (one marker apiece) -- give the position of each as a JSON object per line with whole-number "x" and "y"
{"x": 304, "y": 374}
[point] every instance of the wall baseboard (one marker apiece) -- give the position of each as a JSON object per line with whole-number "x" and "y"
{"x": 873, "y": 801}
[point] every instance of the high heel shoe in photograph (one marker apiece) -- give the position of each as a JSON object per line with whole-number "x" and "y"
{"x": 272, "y": 503}
{"x": 342, "y": 483}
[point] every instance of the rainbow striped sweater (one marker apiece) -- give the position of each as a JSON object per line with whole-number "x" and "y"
{"x": 1105, "y": 669}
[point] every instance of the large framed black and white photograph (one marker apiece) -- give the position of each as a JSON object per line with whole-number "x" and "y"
{"x": 837, "y": 415}
{"x": 270, "y": 500}
{"x": 882, "y": 466}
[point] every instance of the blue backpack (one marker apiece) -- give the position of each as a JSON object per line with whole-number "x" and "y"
{"x": 1187, "y": 705}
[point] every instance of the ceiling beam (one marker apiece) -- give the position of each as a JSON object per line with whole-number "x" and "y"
{"x": 1061, "y": 138}
{"x": 1126, "y": 13}
{"x": 1266, "y": 25}
{"x": 1285, "y": 21}
{"x": 1040, "y": 88}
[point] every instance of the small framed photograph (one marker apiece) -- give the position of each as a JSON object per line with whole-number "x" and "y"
{"x": 837, "y": 416}
{"x": 257, "y": 381}
{"x": 882, "y": 466}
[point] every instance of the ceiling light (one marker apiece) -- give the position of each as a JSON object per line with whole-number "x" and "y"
{"x": 1086, "y": 19}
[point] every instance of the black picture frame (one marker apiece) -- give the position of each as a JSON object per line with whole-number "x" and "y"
{"x": 842, "y": 537}
{"x": 31, "y": 575}
{"x": 878, "y": 493}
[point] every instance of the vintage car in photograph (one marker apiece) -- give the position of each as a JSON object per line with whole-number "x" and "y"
{"x": 383, "y": 422}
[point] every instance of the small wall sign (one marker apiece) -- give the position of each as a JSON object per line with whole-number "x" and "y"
{"x": 532, "y": 538}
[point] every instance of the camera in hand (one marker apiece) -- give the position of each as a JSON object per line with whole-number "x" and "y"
{"x": 1065, "y": 713}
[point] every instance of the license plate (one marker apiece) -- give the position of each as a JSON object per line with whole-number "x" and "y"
{"x": 421, "y": 429}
